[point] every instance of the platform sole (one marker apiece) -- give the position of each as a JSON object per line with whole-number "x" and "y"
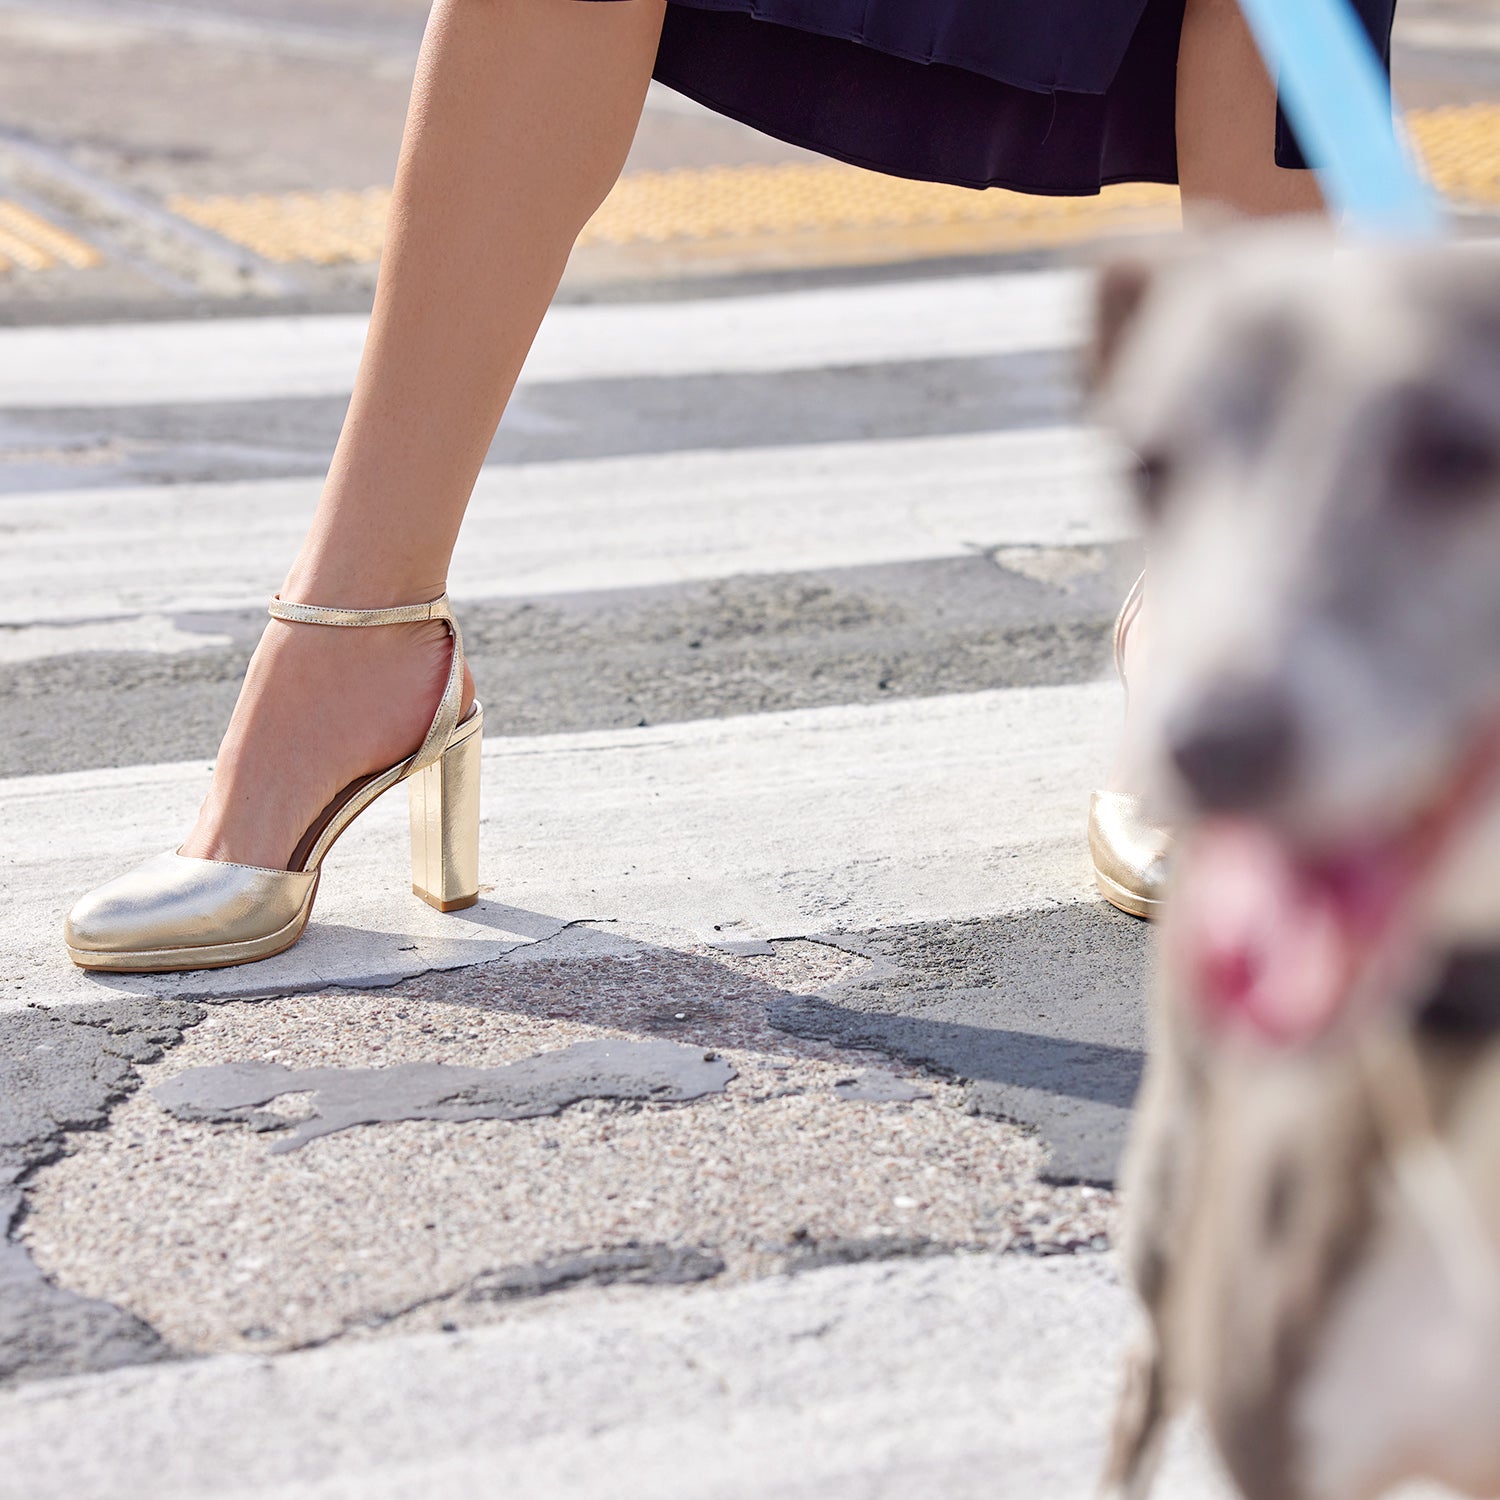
{"x": 209, "y": 956}
{"x": 1130, "y": 902}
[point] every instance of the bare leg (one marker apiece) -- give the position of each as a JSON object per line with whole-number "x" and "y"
{"x": 521, "y": 119}
{"x": 1226, "y": 121}
{"x": 1226, "y": 161}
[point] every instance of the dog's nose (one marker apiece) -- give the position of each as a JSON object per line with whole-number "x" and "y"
{"x": 1234, "y": 748}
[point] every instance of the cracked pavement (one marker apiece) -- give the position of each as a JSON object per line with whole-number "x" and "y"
{"x": 756, "y": 1134}
{"x": 561, "y": 1153}
{"x": 60, "y": 1075}
{"x": 809, "y": 834}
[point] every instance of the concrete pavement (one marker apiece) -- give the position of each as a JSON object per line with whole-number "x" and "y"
{"x": 870, "y": 1255}
{"x": 873, "y": 909}
{"x": 163, "y": 152}
{"x": 652, "y": 520}
{"x": 775, "y": 827}
{"x": 271, "y": 358}
{"x": 756, "y": 1133}
{"x": 953, "y": 1377}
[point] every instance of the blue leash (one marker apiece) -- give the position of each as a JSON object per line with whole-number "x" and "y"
{"x": 1336, "y": 95}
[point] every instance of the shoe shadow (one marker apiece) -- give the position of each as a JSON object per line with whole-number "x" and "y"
{"x": 1041, "y": 1015}
{"x": 367, "y": 956}
{"x": 1076, "y": 1094}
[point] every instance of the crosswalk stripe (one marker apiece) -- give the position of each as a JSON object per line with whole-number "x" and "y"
{"x": 253, "y": 359}
{"x": 765, "y": 826}
{"x": 579, "y": 526}
{"x": 920, "y": 809}
{"x": 956, "y": 1375}
{"x": 152, "y": 634}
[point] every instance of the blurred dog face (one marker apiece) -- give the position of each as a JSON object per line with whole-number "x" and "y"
{"x": 1319, "y": 442}
{"x": 1319, "y": 710}
{"x": 1318, "y": 434}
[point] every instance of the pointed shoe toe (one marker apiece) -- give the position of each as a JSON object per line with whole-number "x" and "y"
{"x": 174, "y": 912}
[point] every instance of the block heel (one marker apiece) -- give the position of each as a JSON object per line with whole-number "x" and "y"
{"x": 444, "y": 804}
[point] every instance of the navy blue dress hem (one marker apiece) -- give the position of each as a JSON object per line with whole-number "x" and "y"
{"x": 1054, "y": 97}
{"x": 931, "y": 121}
{"x": 1007, "y": 47}
{"x": 771, "y": 126}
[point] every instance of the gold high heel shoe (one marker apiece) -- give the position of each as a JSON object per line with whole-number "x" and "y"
{"x": 176, "y": 912}
{"x": 1129, "y": 852}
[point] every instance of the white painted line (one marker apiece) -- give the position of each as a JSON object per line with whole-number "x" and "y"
{"x": 763, "y": 826}
{"x": 1434, "y": 34}
{"x": 600, "y": 523}
{"x": 144, "y": 633}
{"x": 662, "y": 100}
{"x": 86, "y": 25}
{"x": 968, "y": 1377}
{"x": 251, "y": 359}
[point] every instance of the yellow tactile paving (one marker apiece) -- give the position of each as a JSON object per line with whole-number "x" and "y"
{"x": 743, "y": 202}
{"x": 1461, "y": 147}
{"x": 704, "y": 205}
{"x": 29, "y": 243}
{"x": 324, "y": 228}
{"x": 801, "y": 204}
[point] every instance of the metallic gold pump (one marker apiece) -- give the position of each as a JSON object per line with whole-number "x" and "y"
{"x": 1130, "y": 853}
{"x": 175, "y": 912}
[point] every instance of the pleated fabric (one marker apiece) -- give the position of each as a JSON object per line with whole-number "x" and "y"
{"x": 1042, "y": 96}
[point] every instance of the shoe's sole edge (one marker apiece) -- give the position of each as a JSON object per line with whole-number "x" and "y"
{"x": 437, "y": 904}
{"x": 1132, "y": 903}
{"x": 185, "y": 960}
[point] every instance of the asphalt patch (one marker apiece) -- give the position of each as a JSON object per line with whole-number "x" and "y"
{"x": 1042, "y": 1014}
{"x": 46, "y": 1331}
{"x": 634, "y": 1265}
{"x": 808, "y": 1254}
{"x": 654, "y": 1072}
{"x": 60, "y": 1072}
{"x": 615, "y": 659}
{"x": 205, "y": 442}
{"x": 63, "y": 1070}
{"x": 876, "y": 1087}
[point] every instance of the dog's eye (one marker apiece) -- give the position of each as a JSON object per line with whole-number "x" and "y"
{"x": 1450, "y": 460}
{"x": 1152, "y": 476}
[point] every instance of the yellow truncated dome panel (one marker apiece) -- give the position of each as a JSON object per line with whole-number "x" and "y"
{"x": 28, "y": 242}
{"x": 801, "y": 202}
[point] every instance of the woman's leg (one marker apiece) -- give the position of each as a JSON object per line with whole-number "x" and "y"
{"x": 521, "y": 118}
{"x": 1226, "y": 160}
{"x": 1226, "y": 156}
{"x": 1226, "y": 122}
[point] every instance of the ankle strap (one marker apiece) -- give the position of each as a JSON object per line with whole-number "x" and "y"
{"x": 322, "y": 614}
{"x": 1123, "y": 621}
{"x": 445, "y": 720}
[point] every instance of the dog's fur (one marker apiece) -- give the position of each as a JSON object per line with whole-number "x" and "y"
{"x": 1315, "y": 1231}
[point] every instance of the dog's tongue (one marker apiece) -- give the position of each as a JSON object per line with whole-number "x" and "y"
{"x": 1272, "y": 944}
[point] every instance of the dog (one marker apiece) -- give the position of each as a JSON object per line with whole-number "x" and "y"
{"x": 1312, "y": 1187}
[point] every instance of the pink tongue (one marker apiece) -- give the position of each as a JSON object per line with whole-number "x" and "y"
{"x": 1271, "y": 946}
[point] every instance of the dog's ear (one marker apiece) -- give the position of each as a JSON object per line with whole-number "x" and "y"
{"x": 1126, "y": 279}
{"x": 1120, "y": 291}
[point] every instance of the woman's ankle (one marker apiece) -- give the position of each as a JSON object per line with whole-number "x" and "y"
{"x": 320, "y": 707}
{"x": 344, "y": 587}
